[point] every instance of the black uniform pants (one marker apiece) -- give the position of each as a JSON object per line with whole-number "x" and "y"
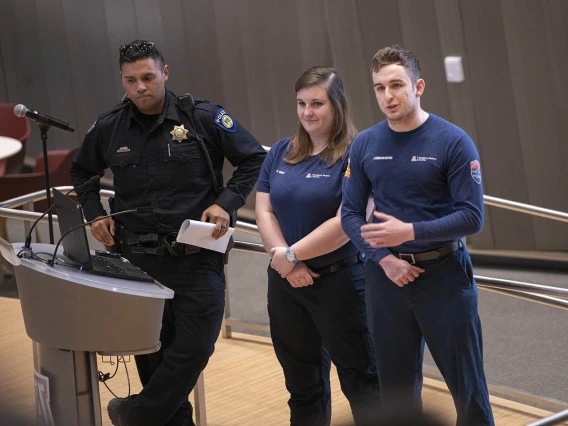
{"x": 313, "y": 324}
{"x": 190, "y": 327}
{"x": 439, "y": 307}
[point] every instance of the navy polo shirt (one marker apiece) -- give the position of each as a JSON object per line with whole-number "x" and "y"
{"x": 303, "y": 196}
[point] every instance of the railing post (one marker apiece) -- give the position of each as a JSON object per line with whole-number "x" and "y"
{"x": 225, "y": 328}
{"x": 199, "y": 401}
{"x": 29, "y": 206}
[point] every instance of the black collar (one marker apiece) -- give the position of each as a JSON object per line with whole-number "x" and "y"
{"x": 169, "y": 111}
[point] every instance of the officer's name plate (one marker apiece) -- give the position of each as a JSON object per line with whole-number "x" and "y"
{"x": 200, "y": 234}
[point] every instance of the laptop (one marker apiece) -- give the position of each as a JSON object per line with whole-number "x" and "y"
{"x": 76, "y": 245}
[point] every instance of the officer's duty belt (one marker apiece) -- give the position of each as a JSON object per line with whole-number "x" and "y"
{"x": 338, "y": 266}
{"x": 412, "y": 258}
{"x": 155, "y": 244}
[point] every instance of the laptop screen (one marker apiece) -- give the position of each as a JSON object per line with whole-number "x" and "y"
{"x": 70, "y": 215}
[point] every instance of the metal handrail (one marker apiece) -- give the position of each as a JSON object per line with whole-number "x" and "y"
{"x": 487, "y": 199}
{"x": 526, "y": 287}
{"x": 525, "y": 208}
{"x": 531, "y": 297}
{"x": 548, "y": 295}
{"x": 551, "y": 420}
{"x": 7, "y": 208}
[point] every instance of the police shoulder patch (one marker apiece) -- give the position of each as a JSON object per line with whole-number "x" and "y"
{"x": 225, "y": 121}
{"x": 91, "y": 128}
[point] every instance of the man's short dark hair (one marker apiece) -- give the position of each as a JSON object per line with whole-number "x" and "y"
{"x": 399, "y": 56}
{"x": 138, "y": 50}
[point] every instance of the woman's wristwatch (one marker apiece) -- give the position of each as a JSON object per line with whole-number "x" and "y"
{"x": 291, "y": 256}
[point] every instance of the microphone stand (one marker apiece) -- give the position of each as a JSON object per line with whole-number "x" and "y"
{"x": 43, "y": 130}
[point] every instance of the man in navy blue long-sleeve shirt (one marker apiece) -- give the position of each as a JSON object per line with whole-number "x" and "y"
{"x": 425, "y": 177}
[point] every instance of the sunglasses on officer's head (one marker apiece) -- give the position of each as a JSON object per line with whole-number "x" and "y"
{"x": 140, "y": 46}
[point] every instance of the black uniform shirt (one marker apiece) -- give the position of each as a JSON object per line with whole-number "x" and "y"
{"x": 152, "y": 169}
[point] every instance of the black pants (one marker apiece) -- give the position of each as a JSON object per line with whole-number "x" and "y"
{"x": 190, "y": 327}
{"x": 311, "y": 325}
{"x": 439, "y": 307}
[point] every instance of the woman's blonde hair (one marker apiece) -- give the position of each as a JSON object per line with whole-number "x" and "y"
{"x": 342, "y": 130}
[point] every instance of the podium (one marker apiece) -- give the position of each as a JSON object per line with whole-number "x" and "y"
{"x": 71, "y": 315}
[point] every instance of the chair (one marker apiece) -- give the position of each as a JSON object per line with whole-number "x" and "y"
{"x": 17, "y": 128}
{"x": 14, "y": 185}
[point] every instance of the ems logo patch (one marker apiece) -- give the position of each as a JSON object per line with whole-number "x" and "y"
{"x": 225, "y": 121}
{"x": 475, "y": 168}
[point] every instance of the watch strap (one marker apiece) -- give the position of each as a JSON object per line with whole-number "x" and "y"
{"x": 289, "y": 251}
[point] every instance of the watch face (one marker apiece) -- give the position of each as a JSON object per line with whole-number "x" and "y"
{"x": 290, "y": 256}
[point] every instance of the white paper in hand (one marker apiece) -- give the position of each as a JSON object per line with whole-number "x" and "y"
{"x": 199, "y": 234}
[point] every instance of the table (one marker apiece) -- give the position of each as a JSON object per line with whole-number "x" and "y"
{"x": 9, "y": 147}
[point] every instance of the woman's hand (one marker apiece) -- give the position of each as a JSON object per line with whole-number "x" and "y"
{"x": 279, "y": 262}
{"x": 301, "y": 276}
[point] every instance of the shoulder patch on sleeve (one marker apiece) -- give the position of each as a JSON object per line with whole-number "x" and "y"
{"x": 91, "y": 128}
{"x": 475, "y": 169}
{"x": 225, "y": 121}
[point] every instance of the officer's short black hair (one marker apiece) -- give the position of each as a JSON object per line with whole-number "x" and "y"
{"x": 138, "y": 50}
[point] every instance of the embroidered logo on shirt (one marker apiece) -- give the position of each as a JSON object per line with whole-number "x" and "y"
{"x": 416, "y": 158}
{"x": 316, "y": 176}
{"x": 225, "y": 121}
{"x": 280, "y": 172}
{"x": 382, "y": 158}
{"x": 475, "y": 168}
{"x": 347, "y": 173}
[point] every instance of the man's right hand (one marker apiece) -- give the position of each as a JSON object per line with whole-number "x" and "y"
{"x": 399, "y": 271}
{"x": 103, "y": 230}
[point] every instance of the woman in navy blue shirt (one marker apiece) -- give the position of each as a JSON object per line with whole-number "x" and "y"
{"x": 316, "y": 290}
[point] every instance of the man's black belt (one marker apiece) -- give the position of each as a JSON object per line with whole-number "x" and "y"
{"x": 155, "y": 244}
{"x": 412, "y": 258}
{"x": 338, "y": 266}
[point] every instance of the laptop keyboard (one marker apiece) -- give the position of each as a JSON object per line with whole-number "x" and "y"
{"x": 102, "y": 264}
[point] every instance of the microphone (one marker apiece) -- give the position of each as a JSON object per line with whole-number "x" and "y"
{"x": 28, "y": 243}
{"x": 42, "y": 119}
{"x": 139, "y": 210}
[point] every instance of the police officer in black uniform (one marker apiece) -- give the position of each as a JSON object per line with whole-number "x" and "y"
{"x": 168, "y": 153}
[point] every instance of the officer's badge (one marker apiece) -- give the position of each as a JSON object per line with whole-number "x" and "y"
{"x": 225, "y": 121}
{"x": 179, "y": 133}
